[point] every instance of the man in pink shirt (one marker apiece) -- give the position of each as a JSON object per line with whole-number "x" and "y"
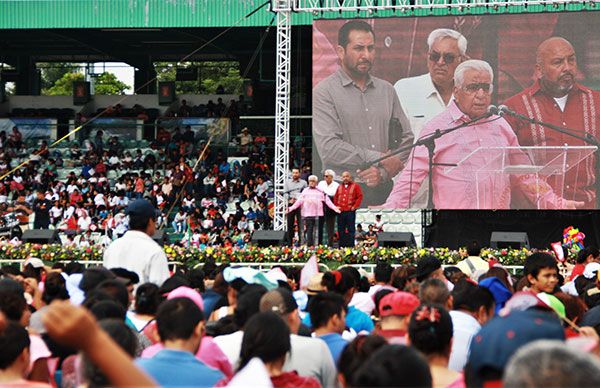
{"x": 311, "y": 199}
{"x": 457, "y": 188}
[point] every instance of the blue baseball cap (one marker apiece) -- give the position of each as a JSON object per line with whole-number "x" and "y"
{"x": 499, "y": 339}
{"x": 143, "y": 208}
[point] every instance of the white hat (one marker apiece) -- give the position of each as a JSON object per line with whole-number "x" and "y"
{"x": 590, "y": 270}
{"x": 35, "y": 262}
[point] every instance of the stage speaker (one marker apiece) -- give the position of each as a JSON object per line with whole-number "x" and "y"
{"x": 81, "y": 92}
{"x": 41, "y": 236}
{"x": 161, "y": 237}
{"x": 516, "y": 240}
{"x": 166, "y": 93}
{"x": 265, "y": 238}
{"x": 396, "y": 239}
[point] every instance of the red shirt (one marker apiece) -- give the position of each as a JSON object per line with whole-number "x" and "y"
{"x": 293, "y": 380}
{"x": 580, "y": 114}
{"x": 348, "y": 197}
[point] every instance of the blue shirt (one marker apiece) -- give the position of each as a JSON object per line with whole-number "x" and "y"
{"x": 171, "y": 368}
{"x": 335, "y": 343}
{"x": 355, "y": 319}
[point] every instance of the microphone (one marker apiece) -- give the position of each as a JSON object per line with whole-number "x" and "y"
{"x": 493, "y": 110}
{"x": 503, "y": 109}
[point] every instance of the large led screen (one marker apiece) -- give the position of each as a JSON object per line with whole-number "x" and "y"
{"x": 506, "y": 105}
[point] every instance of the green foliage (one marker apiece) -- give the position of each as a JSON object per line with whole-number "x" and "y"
{"x": 53, "y": 71}
{"x": 64, "y": 86}
{"x": 105, "y": 84}
{"x": 211, "y": 75}
{"x": 108, "y": 84}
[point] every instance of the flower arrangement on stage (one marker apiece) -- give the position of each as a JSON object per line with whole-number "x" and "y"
{"x": 276, "y": 254}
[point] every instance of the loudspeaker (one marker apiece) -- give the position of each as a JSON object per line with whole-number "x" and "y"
{"x": 166, "y": 93}
{"x": 41, "y": 236}
{"x": 396, "y": 239}
{"x": 81, "y": 92}
{"x": 161, "y": 237}
{"x": 516, "y": 240}
{"x": 265, "y": 238}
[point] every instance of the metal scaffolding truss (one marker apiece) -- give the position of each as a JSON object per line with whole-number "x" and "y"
{"x": 282, "y": 109}
{"x": 285, "y": 9}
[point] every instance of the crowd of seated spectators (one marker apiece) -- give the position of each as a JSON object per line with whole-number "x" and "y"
{"x": 217, "y": 203}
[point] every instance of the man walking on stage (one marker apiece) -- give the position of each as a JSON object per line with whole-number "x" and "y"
{"x": 311, "y": 201}
{"x": 293, "y": 188}
{"x": 348, "y": 198}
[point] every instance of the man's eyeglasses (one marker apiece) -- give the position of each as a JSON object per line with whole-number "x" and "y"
{"x": 434, "y": 56}
{"x": 475, "y": 87}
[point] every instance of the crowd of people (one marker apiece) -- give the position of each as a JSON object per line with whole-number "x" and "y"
{"x": 134, "y": 322}
{"x": 204, "y": 197}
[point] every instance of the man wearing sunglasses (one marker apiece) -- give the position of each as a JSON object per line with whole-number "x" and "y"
{"x": 354, "y": 115}
{"x": 458, "y": 188}
{"x": 425, "y": 96}
{"x": 557, "y": 98}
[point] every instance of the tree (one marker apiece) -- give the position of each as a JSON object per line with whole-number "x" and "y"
{"x": 108, "y": 84}
{"x": 53, "y": 71}
{"x": 64, "y": 86}
{"x": 211, "y": 75}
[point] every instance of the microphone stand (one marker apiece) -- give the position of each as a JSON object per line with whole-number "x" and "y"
{"x": 429, "y": 142}
{"x": 587, "y": 138}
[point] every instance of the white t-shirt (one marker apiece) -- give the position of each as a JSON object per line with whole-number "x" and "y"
{"x": 561, "y": 101}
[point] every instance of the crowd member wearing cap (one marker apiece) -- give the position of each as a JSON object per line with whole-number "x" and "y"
{"x": 329, "y": 186}
{"x": 541, "y": 272}
{"x": 136, "y": 250}
{"x": 394, "y": 310}
{"x": 328, "y": 319}
{"x": 180, "y": 325}
{"x": 267, "y": 337}
{"x": 310, "y": 357}
{"x": 547, "y": 363}
{"x": 430, "y": 267}
{"x": 473, "y": 307}
{"x": 497, "y": 341}
{"x": 311, "y": 201}
{"x": 342, "y": 282}
{"x": 430, "y": 332}
{"x": 473, "y": 262}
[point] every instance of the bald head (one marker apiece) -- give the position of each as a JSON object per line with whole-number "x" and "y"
{"x": 557, "y": 66}
{"x": 551, "y": 46}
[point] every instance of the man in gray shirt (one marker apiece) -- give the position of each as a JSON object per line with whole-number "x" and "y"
{"x": 357, "y": 118}
{"x": 292, "y": 189}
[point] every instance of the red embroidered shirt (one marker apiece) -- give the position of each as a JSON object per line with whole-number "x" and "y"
{"x": 580, "y": 113}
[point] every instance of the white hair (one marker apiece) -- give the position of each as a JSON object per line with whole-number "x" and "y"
{"x": 329, "y": 172}
{"x": 471, "y": 64}
{"x": 442, "y": 33}
{"x": 313, "y": 178}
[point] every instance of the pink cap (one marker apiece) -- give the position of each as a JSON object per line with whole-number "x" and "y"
{"x": 186, "y": 292}
{"x": 398, "y": 303}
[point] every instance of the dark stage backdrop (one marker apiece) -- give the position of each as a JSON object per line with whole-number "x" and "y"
{"x": 454, "y": 228}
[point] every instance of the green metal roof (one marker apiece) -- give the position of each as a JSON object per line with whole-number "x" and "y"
{"x": 44, "y": 14}
{"x": 30, "y": 14}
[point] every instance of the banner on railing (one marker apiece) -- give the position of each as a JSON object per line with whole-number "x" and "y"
{"x": 30, "y": 128}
